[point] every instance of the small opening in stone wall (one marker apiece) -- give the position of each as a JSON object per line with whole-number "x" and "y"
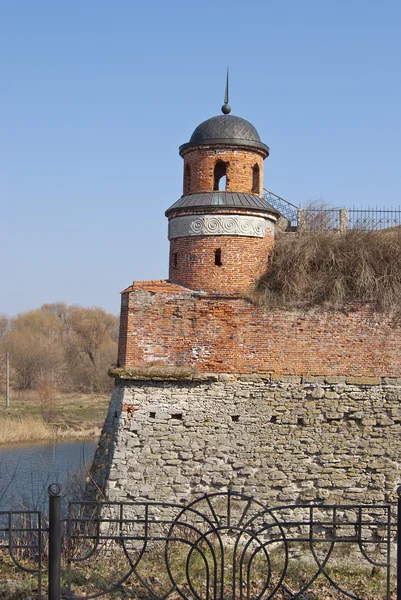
{"x": 255, "y": 179}
{"x": 217, "y": 257}
{"x": 235, "y": 418}
{"x": 220, "y": 176}
{"x": 152, "y": 415}
{"x": 273, "y": 419}
{"x": 300, "y": 421}
{"x": 175, "y": 260}
{"x": 177, "y": 416}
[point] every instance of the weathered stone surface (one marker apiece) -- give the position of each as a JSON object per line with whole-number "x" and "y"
{"x": 280, "y": 440}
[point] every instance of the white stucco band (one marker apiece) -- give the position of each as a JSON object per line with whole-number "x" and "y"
{"x": 218, "y": 225}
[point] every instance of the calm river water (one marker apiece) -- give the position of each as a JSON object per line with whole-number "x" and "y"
{"x": 26, "y": 471}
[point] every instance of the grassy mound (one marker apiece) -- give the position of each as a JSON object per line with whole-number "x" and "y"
{"x": 334, "y": 270}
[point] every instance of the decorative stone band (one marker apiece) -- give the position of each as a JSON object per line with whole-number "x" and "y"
{"x": 218, "y": 225}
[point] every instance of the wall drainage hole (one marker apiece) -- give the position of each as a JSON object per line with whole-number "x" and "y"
{"x": 273, "y": 419}
{"x": 177, "y": 416}
{"x": 235, "y": 418}
{"x": 300, "y": 421}
{"x": 152, "y": 415}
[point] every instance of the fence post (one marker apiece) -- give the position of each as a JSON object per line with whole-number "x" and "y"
{"x": 54, "y": 565}
{"x": 399, "y": 543}
{"x": 343, "y": 220}
{"x": 301, "y": 220}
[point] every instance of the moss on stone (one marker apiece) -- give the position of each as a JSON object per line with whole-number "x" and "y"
{"x": 152, "y": 372}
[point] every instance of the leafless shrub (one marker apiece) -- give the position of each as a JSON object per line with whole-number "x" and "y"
{"x": 317, "y": 215}
{"x": 48, "y": 402}
{"x": 334, "y": 270}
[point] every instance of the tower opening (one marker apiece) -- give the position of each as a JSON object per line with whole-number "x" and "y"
{"x": 256, "y": 179}
{"x": 187, "y": 179}
{"x": 220, "y": 175}
{"x": 223, "y": 183}
{"x": 217, "y": 257}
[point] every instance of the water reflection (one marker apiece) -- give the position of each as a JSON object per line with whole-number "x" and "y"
{"x": 27, "y": 470}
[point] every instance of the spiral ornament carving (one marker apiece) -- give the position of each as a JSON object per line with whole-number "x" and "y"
{"x": 218, "y": 225}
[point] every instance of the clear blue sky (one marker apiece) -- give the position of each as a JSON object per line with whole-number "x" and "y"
{"x": 97, "y": 96}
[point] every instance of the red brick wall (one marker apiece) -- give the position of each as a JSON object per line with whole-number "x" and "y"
{"x": 222, "y": 334}
{"x": 244, "y": 260}
{"x": 123, "y": 334}
{"x": 239, "y": 169}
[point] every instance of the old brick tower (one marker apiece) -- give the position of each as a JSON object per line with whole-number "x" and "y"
{"x": 221, "y": 230}
{"x": 214, "y": 392}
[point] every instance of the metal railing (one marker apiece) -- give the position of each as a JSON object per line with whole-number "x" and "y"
{"x": 373, "y": 219}
{"x": 335, "y": 219}
{"x": 285, "y": 208}
{"x": 221, "y": 545}
{"x": 343, "y": 219}
{"x": 22, "y": 539}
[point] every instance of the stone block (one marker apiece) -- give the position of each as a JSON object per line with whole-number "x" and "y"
{"x": 363, "y": 381}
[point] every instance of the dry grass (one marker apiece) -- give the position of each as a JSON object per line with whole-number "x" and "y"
{"x": 30, "y": 429}
{"x": 100, "y": 572}
{"x": 334, "y": 270}
{"x": 110, "y": 563}
{"x": 24, "y": 429}
{"x": 37, "y": 416}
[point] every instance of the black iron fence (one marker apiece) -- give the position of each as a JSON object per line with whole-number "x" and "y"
{"x": 22, "y": 540}
{"x": 335, "y": 219}
{"x": 373, "y": 219}
{"x": 344, "y": 219}
{"x": 220, "y": 546}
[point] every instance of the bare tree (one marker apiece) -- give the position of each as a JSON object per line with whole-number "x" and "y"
{"x": 93, "y": 337}
{"x": 61, "y": 347}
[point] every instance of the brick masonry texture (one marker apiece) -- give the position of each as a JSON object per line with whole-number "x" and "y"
{"x": 165, "y": 324}
{"x": 239, "y": 169}
{"x": 213, "y": 392}
{"x": 243, "y": 261}
{"x": 283, "y": 440}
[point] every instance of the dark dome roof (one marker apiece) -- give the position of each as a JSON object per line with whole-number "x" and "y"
{"x": 223, "y": 127}
{"x": 226, "y": 130}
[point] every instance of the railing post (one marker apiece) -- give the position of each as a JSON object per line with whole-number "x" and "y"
{"x": 399, "y": 543}
{"x": 54, "y": 565}
{"x": 301, "y": 220}
{"x": 343, "y": 220}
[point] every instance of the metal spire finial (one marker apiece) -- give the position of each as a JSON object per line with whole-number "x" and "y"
{"x": 226, "y": 108}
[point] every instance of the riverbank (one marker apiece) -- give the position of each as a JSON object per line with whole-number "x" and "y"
{"x": 49, "y": 416}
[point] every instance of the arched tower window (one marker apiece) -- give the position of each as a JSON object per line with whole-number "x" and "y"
{"x": 256, "y": 179}
{"x": 220, "y": 176}
{"x": 187, "y": 179}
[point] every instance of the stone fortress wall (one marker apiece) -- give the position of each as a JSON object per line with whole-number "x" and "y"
{"x": 284, "y": 440}
{"x": 214, "y": 392}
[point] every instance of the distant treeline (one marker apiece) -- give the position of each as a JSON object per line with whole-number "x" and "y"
{"x": 68, "y": 348}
